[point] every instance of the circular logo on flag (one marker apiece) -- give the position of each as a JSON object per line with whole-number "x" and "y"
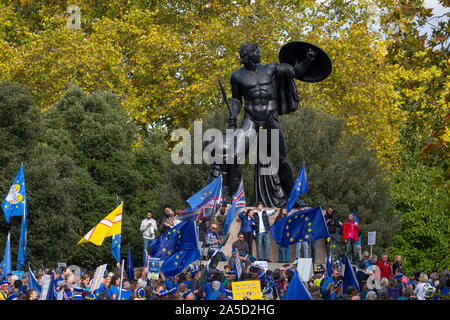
{"x": 14, "y": 196}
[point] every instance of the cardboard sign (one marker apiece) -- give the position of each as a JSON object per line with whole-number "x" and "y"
{"x": 98, "y": 276}
{"x": 153, "y": 269}
{"x": 246, "y": 290}
{"x": 371, "y": 238}
{"x": 46, "y": 279}
{"x": 304, "y": 268}
{"x": 261, "y": 264}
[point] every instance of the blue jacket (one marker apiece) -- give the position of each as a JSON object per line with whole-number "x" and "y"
{"x": 246, "y": 224}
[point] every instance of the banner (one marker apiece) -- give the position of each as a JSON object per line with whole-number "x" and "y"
{"x": 247, "y": 290}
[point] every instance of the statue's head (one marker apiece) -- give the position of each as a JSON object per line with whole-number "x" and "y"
{"x": 249, "y": 52}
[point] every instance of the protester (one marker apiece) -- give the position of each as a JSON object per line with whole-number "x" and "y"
{"x": 283, "y": 252}
{"x": 212, "y": 241}
{"x": 350, "y": 235}
{"x": 385, "y": 266}
{"x": 168, "y": 220}
{"x": 262, "y": 226}
{"x": 247, "y": 228}
{"x": 244, "y": 254}
{"x": 148, "y": 229}
{"x": 397, "y": 263}
{"x": 333, "y": 225}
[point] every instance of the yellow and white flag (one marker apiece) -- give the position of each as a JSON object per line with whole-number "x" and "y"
{"x": 109, "y": 226}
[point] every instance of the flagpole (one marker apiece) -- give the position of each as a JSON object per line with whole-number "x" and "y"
{"x": 121, "y": 279}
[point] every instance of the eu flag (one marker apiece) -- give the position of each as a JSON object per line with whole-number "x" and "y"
{"x": 349, "y": 276}
{"x": 207, "y": 201}
{"x": 297, "y": 290}
{"x": 178, "y": 261}
{"x": 15, "y": 201}
{"x": 130, "y": 269}
{"x": 180, "y": 237}
{"x": 300, "y": 187}
{"x": 6, "y": 263}
{"x": 22, "y": 255}
{"x": 305, "y": 225}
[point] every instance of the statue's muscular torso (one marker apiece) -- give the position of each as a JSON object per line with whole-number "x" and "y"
{"x": 258, "y": 90}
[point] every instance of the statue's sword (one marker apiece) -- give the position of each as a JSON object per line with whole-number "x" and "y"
{"x": 225, "y": 98}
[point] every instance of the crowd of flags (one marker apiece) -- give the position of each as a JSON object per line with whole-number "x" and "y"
{"x": 179, "y": 246}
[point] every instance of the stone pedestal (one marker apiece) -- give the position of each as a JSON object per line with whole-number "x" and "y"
{"x": 273, "y": 246}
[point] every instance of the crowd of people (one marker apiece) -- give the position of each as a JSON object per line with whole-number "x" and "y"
{"x": 377, "y": 279}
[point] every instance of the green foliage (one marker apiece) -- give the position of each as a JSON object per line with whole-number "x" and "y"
{"x": 422, "y": 239}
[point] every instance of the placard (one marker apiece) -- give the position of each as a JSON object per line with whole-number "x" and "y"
{"x": 98, "y": 276}
{"x": 18, "y": 274}
{"x": 304, "y": 268}
{"x": 46, "y": 279}
{"x": 261, "y": 264}
{"x": 246, "y": 290}
{"x": 153, "y": 269}
{"x": 371, "y": 238}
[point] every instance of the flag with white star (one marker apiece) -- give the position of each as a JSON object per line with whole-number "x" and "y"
{"x": 15, "y": 201}
{"x": 205, "y": 202}
{"x": 304, "y": 225}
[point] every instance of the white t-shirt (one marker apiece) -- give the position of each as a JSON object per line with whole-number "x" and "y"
{"x": 149, "y": 230}
{"x": 261, "y": 221}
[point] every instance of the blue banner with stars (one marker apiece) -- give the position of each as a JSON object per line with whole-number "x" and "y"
{"x": 304, "y": 225}
{"x": 15, "y": 201}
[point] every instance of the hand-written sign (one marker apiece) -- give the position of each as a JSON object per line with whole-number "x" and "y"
{"x": 246, "y": 290}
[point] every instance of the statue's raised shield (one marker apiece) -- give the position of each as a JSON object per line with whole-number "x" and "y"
{"x": 319, "y": 69}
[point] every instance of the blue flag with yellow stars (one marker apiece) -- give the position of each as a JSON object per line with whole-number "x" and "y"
{"x": 15, "y": 201}
{"x": 207, "y": 201}
{"x": 304, "y": 225}
{"x": 115, "y": 243}
{"x": 180, "y": 237}
{"x": 300, "y": 187}
{"x": 178, "y": 261}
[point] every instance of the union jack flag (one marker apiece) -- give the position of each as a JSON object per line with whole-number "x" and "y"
{"x": 239, "y": 197}
{"x": 238, "y": 203}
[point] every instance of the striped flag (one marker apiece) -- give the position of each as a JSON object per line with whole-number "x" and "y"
{"x": 109, "y": 226}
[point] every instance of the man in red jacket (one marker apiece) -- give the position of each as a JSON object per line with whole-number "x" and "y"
{"x": 350, "y": 235}
{"x": 385, "y": 266}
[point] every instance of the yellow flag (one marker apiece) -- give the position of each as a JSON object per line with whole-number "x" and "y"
{"x": 109, "y": 226}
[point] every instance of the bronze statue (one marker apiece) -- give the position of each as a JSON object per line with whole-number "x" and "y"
{"x": 267, "y": 91}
